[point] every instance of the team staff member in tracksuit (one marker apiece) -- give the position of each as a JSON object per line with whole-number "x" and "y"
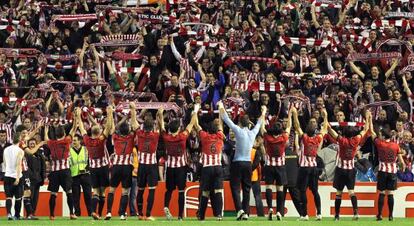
{"x": 13, "y": 186}
{"x": 345, "y": 171}
{"x": 80, "y": 175}
{"x": 37, "y": 169}
{"x": 241, "y": 167}
{"x": 388, "y": 154}
{"x": 308, "y": 172}
{"x": 27, "y": 184}
{"x": 292, "y": 166}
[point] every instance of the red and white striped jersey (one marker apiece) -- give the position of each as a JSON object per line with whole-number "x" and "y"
{"x": 24, "y": 165}
{"x": 211, "y": 148}
{"x": 275, "y": 149}
{"x": 123, "y": 147}
{"x": 59, "y": 153}
{"x": 233, "y": 78}
{"x": 309, "y": 151}
{"x": 97, "y": 153}
{"x": 253, "y": 76}
{"x": 387, "y": 155}
{"x": 242, "y": 86}
{"x": 8, "y": 129}
{"x": 147, "y": 147}
{"x": 347, "y": 150}
{"x": 175, "y": 147}
{"x": 24, "y": 162}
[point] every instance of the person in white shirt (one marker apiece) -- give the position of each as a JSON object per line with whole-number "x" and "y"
{"x": 13, "y": 187}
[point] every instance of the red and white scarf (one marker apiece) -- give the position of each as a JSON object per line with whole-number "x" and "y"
{"x": 388, "y": 23}
{"x": 373, "y": 56}
{"x": 351, "y": 124}
{"x": 304, "y": 41}
{"x": 265, "y": 86}
{"x": 124, "y": 106}
{"x": 76, "y": 17}
{"x": 118, "y": 40}
{"x": 354, "y": 38}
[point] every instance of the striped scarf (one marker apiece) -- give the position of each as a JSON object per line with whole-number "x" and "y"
{"x": 388, "y": 23}
{"x": 354, "y": 38}
{"x": 265, "y": 86}
{"x": 304, "y": 41}
{"x": 351, "y": 124}
{"x": 76, "y": 17}
{"x": 118, "y": 40}
{"x": 373, "y": 56}
{"x": 124, "y": 106}
{"x": 376, "y": 107}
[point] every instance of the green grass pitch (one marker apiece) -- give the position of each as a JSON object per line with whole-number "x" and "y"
{"x": 229, "y": 221}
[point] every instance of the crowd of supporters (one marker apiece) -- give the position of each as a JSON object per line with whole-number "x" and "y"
{"x": 58, "y": 56}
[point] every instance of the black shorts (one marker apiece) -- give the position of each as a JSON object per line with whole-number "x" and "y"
{"x": 307, "y": 177}
{"x": 100, "y": 177}
{"x": 12, "y": 190}
{"x": 387, "y": 181}
{"x": 344, "y": 177}
{"x": 275, "y": 174}
{"x": 211, "y": 178}
{"x": 147, "y": 175}
{"x": 61, "y": 178}
{"x": 27, "y": 185}
{"x": 176, "y": 178}
{"x": 121, "y": 174}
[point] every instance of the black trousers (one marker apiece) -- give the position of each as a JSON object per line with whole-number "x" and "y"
{"x": 241, "y": 176}
{"x": 295, "y": 195}
{"x": 257, "y": 194}
{"x": 35, "y": 196}
{"x": 83, "y": 180}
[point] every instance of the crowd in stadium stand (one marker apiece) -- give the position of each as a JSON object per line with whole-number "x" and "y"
{"x": 63, "y": 62}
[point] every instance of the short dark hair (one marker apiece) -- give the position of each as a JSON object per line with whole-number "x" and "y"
{"x": 350, "y": 132}
{"x": 386, "y": 133}
{"x": 244, "y": 121}
{"x": 173, "y": 126}
{"x": 124, "y": 129}
{"x": 276, "y": 129}
{"x": 148, "y": 124}
{"x": 59, "y": 132}
{"x": 16, "y": 138}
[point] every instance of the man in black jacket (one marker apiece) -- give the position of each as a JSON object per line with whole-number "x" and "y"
{"x": 37, "y": 172}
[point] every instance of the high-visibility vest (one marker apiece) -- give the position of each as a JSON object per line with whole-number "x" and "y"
{"x": 256, "y": 172}
{"x": 78, "y": 162}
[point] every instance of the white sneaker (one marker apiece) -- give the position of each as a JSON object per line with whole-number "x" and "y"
{"x": 245, "y": 217}
{"x": 240, "y": 214}
{"x": 167, "y": 213}
{"x": 303, "y": 218}
{"x": 108, "y": 216}
{"x": 278, "y": 216}
{"x": 122, "y": 217}
{"x": 270, "y": 214}
{"x": 318, "y": 217}
{"x": 356, "y": 217}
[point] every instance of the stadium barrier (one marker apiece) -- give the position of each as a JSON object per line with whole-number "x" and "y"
{"x": 366, "y": 193}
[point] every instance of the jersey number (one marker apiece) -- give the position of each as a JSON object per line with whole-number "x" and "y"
{"x": 124, "y": 146}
